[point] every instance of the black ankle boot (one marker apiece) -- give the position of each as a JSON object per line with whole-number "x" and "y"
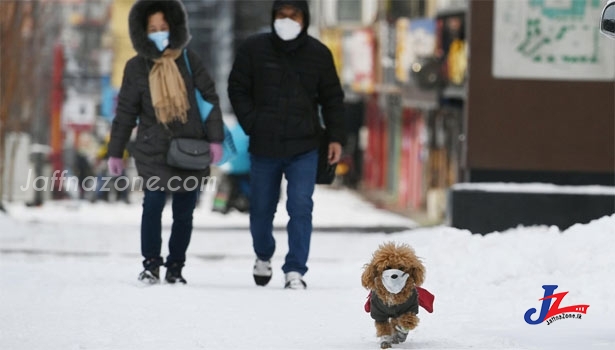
{"x": 151, "y": 272}
{"x": 174, "y": 273}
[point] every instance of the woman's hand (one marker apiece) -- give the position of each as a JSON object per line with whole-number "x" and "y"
{"x": 115, "y": 166}
{"x": 216, "y": 152}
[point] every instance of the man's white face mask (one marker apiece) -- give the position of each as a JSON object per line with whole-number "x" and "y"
{"x": 287, "y": 29}
{"x": 394, "y": 280}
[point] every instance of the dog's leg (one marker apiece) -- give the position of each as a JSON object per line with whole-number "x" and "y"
{"x": 386, "y": 341}
{"x": 399, "y": 333}
{"x": 384, "y": 330}
{"x": 409, "y": 321}
{"x": 403, "y": 325}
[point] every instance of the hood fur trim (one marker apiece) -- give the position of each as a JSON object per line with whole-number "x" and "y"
{"x": 174, "y": 13}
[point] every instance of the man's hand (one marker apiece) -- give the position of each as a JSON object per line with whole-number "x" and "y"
{"x": 335, "y": 152}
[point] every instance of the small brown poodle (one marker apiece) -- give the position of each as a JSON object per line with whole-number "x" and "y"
{"x": 392, "y": 276}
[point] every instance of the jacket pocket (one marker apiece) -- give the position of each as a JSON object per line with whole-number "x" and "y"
{"x": 300, "y": 125}
{"x": 264, "y": 123}
{"x": 153, "y": 140}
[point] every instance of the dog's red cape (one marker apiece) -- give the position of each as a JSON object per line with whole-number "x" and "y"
{"x": 425, "y": 300}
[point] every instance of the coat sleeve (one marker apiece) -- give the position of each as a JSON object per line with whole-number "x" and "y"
{"x": 240, "y": 89}
{"x": 331, "y": 99}
{"x": 127, "y": 111}
{"x": 206, "y": 86}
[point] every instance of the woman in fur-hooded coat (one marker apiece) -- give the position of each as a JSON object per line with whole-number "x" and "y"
{"x": 135, "y": 99}
{"x": 157, "y": 93}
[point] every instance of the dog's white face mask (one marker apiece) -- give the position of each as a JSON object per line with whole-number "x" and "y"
{"x": 394, "y": 280}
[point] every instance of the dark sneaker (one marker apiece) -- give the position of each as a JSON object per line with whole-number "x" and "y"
{"x": 262, "y": 272}
{"x": 151, "y": 272}
{"x": 294, "y": 280}
{"x": 174, "y": 273}
{"x": 150, "y": 276}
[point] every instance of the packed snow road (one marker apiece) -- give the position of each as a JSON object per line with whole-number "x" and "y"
{"x": 69, "y": 282}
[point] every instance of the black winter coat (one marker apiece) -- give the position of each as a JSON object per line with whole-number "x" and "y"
{"x": 381, "y": 311}
{"x": 135, "y": 105}
{"x": 265, "y": 89}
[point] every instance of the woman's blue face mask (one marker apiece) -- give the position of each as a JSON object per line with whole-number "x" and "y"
{"x": 161, "y": 39}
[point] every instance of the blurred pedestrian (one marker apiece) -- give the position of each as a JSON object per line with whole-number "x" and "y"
{"x": 234, "y": 187}
{"x": 277, "y": 82}
{"x": 158, "y": 90}
{"x": 83, "y": 171}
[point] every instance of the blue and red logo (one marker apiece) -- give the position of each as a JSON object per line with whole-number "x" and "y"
{"x": 552, "y": 313}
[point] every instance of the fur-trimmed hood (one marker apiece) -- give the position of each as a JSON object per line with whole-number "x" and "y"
{"x": 175, "y": 15}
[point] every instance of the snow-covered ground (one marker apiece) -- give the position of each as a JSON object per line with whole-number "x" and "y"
{"x": 68, "y": 281}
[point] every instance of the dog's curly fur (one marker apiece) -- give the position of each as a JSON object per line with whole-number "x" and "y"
{"x": 394, "y": 256}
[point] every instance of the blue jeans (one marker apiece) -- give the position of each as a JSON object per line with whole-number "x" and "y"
{"x": 265, "y": 181}
{"x": 151, "y": 224}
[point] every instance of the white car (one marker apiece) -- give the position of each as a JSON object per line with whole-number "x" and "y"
{"x": 607, "y": 22}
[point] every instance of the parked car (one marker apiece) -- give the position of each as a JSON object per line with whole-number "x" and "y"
{"x": 607, "y": 22}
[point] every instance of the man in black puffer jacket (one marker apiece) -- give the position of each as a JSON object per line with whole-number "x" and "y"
{"x": 279, "y": 82}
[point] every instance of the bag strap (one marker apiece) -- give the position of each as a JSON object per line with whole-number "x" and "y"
{"x": 228, "y": 138}
{"x": 187, "y": 61}
{"x": 190, "y": 71}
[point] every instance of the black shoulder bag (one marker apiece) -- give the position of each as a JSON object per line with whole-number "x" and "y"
{"x": 189, "y": 154}
{"x": 326, "y": 171}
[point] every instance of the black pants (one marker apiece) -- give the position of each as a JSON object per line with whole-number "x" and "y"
{"x": 181, "y": 231}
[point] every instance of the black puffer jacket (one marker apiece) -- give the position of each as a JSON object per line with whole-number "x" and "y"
{"x": 135, "y": 103}
{"x": 265, "y": 89}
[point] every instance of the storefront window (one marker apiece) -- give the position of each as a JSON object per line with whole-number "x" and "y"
{"x": 349, "y": 10}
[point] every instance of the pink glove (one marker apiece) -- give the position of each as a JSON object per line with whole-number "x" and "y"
{"x": 216, "y": 152}
{"x": 115, "y": 165}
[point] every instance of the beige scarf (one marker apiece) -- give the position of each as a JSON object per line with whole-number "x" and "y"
{"x": 168, "y": 89}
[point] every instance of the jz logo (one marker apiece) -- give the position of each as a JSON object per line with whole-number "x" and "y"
{"x": 554, "y": 312}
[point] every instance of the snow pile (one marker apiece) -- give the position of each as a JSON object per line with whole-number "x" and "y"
{"x": 72, "y": 285}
